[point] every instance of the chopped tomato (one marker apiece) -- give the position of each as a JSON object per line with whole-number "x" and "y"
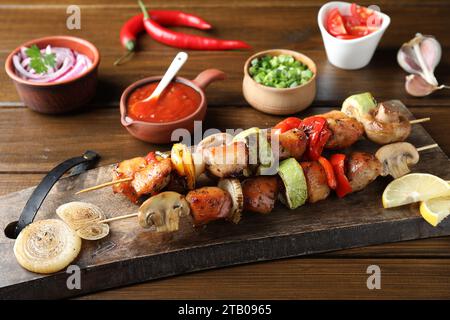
{"x": 335, "y": 23}
{"x": 361, "y": 22}
{"x": 359, "y": 31}
{"x": 350, "y": 21}
{"x": 361, "y": 13}
{"x": 288, "y": 124}
{"x": 374, "y": 22}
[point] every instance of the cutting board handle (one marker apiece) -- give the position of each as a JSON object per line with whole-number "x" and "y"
{"x": 79, "y": 165}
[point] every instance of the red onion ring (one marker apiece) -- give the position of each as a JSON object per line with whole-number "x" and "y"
{"x": 69, "y": 64}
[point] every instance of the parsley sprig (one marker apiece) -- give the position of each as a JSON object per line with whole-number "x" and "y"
{"x": 40, "y": 62}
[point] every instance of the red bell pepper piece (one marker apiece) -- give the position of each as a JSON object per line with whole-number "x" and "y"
{"x": 343, "y": 185}
{"x": 150, "y": 157}
{"x": 331, "y": 178}
{"x": 288, "y": 124}
{"x": 316, "y": 128}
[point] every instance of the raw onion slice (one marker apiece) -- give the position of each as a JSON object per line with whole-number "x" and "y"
{"x": 46, "y": 246}
{"x": 68, "y": 65}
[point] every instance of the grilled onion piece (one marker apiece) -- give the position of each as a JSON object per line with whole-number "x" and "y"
{"x": 79, "y": 214}
{"x": 233, "y": 187}
{"x": 46, "y": 246}
{"x": 82, "y": 217}
{"x": 93, "y": 231}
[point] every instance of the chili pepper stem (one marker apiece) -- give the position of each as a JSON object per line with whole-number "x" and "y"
{"x": 144, "y": 9}
{"x": 126, "y": 56}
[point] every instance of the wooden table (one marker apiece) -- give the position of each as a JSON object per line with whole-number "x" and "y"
{"x": 31, "y": 144}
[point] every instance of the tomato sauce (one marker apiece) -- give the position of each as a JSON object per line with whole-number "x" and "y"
{"x": 176, "y": 102}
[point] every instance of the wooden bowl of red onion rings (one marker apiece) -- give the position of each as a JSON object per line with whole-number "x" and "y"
{"x": 56, "y": 74}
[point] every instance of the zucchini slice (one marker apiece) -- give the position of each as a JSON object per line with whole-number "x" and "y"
{"x": 294, "y": 180}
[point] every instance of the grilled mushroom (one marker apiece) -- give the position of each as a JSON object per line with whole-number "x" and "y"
{"x": 396, "y": 158}
{"x": 214, "y": 140}
{"x": 384, "y": 124}
{"x": 163, "y": 211}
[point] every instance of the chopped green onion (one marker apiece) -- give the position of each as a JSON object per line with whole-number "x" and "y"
{"x": 281, "y": 71}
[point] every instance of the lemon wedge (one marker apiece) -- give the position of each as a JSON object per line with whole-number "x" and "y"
{"x": 435, "y": 210}
{"x": 414, "y": 187}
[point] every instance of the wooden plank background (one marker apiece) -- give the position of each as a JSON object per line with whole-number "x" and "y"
{"x": 31, "y": 144}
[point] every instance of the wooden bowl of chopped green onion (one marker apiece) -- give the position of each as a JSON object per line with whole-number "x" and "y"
{"x": 279, "y": 81}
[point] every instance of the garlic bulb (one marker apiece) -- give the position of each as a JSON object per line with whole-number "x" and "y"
{"x": 419, "y": 57}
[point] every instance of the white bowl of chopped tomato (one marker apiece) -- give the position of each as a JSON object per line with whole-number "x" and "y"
{"x": 351, "y": 33}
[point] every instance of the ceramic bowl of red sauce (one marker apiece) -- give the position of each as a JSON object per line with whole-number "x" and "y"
{"x": 181, "y": 103}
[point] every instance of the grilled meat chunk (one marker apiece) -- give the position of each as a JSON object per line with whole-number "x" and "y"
{"x": 260, "y": 193}
{"x": 362, "y": 169}
{"x": 345, "y": 130}
{"x": 226, "y": 161}
{"x": 209, "y": 204}
{"x": 154, "y": 177}
{"x": 316, "y": 181}
{"x": 292, "y": 144}
{"x": 127, "y": 169}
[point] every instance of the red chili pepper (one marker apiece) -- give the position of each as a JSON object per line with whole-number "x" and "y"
{"x": 331, "y": 178}
{"x": 343, "y": 185}
{"x": 150, "y": 157}
{"x": 135, "y": 25}
{"x": 318, "y": 134}
{"x": 288, "y": 124}
{"x": 186, "y": 41}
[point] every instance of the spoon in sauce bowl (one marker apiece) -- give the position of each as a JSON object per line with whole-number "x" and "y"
{"x": 171, "y": 72}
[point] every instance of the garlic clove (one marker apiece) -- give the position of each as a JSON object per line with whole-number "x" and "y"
{"x": 420, "y": 56}
{"x": 407, "y": 60}
{"x": 416, "y": 86}
{"x": 431, "y": 51}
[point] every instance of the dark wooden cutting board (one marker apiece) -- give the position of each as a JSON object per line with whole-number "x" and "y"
{"x": 131, "y": 254}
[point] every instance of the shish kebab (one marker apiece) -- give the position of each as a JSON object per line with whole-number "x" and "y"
{"x": 298, "y": 139}
{"x": 295, "y": 184}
